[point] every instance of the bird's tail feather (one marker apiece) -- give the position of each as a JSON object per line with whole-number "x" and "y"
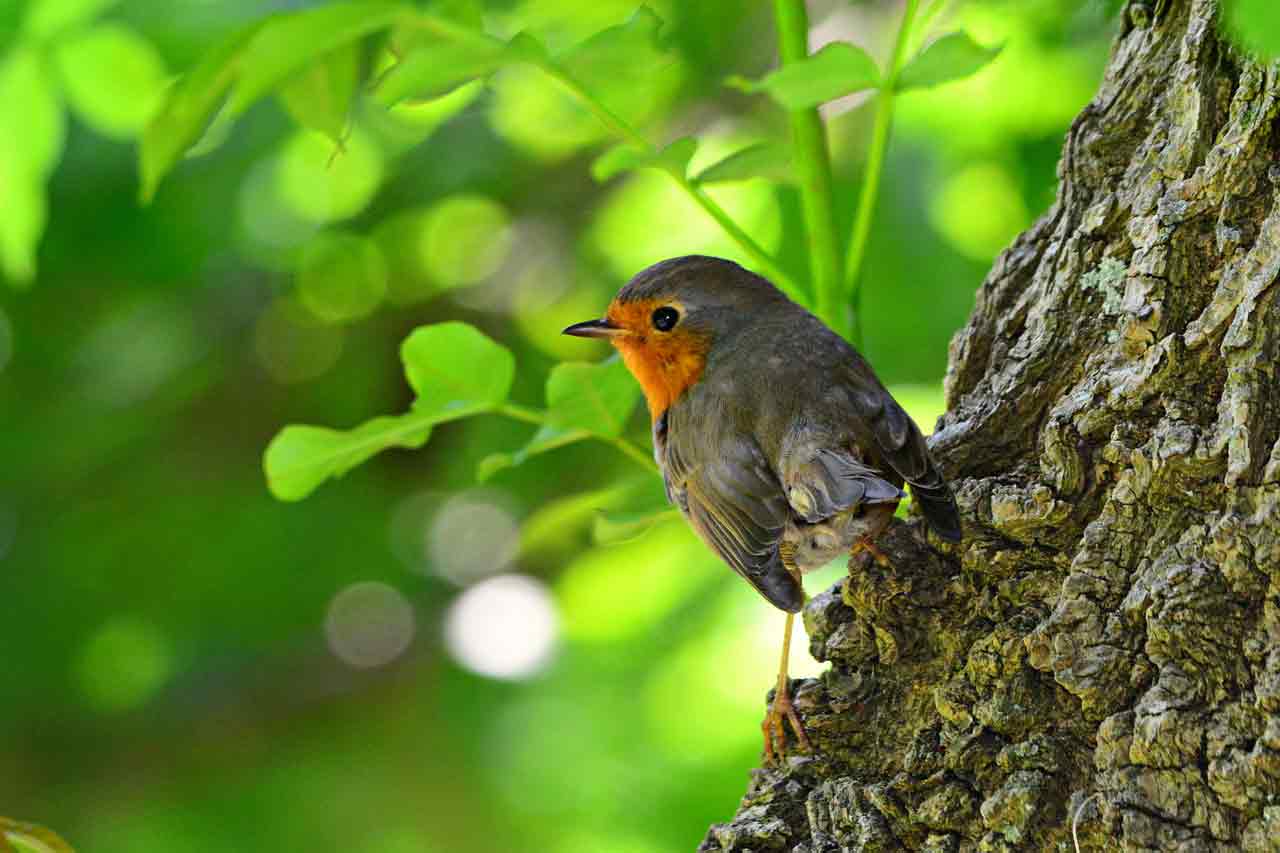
{"x": 939, "y": 506}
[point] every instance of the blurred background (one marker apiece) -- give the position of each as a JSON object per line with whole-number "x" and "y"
{"x": 410, "y": 660}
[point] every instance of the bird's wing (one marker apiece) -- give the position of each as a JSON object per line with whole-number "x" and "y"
{"x": 735, "y": 503}
{"x": 897, "y": 441}
{"x": 829, "y": 481}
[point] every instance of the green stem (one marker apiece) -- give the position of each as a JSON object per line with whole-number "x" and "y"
{"x": 522, "y": 413}
{"x": 813, "y": 162}
{"x": 635, "y": 453}
{"x": 535, "y": 416}
{"x": 620, "y": 128}
{"x": 875, "y": 165}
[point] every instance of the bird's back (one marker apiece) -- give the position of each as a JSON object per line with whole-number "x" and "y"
{"x": 794, "y": 388}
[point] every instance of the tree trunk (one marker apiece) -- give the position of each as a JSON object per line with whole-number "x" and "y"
{"x": 1105, "y": 644}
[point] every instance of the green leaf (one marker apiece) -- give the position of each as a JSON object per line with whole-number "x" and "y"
{"x": 48, "y": 18}
{"x": 286, "y": 44}
{"x": 617, "y": 160}
{"x": 32, "y": 123}
{"x": 300, "y": 458}
{"x": 320, "y": 97}
{"x": 116, "y": 105}
{"x": 619, "y": 65}
{"x": 613, "y": 52}
{"x": 187, "y": 109}
{"x": 32, "y": 132}
{"x": 1255, "y": 24}
{"x": 760, "y": 160}
{"x": 437, "y": 67}
{"x": 468, "y": 13}
{"x": 583, "y": 401}
{"x": 926, "y": 15}
{"x": 626, "y": 157}
{"x": 30, "y": 838}
{"x": 950, "y": 58}
{"x": 596, "y": 398}
{"x": 613, "y": 528}
{"x": 22, "y": 222}
{"x": 547, "y": 438}
{"x": 341, "y": 277}
{"x": 215, "y": 135}
{"x": 642, "y": 506}
{"x": 837, "y": 70}
{"x": 456, "y": 370}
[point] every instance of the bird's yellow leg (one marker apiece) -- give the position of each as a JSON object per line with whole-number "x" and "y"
{"x": 878, "y": 518}
{"x": 866, "y": 546}
{"x": 775, "y": 737}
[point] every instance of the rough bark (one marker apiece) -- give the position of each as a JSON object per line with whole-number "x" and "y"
{"x": 1107, "y": 638}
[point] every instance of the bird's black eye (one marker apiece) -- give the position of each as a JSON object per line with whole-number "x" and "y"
{"x": 665, "y": 318}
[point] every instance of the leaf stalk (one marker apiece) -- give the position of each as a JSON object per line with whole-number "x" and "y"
{"x": 874, "y": 168}
{"x": 813, "y": 163}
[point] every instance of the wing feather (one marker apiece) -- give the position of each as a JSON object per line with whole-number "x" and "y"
{"x": 735, "y": 503}
{"x": 899, "y": 443}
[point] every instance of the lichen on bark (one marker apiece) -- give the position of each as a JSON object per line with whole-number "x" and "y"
{"x": 1111, "y": 624}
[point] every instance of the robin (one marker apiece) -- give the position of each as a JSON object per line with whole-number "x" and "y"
{"x": 775, "y": 439}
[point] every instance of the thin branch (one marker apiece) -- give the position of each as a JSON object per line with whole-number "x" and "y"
{"x": 622, "y": 129}
{"x": 813, "y": 162}
{"x": 875, "y": 165}
{"x": 536, "y": 416}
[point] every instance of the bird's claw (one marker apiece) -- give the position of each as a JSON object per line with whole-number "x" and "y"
{"x": 775, "y": 736}
{"x": 866, "y": 546}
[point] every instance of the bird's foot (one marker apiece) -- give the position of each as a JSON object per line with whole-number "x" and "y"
{"x": 866, "y": 546}
{"x": 775, "y": 736}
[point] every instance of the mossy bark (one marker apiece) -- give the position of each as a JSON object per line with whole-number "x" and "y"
{"x": 1108, "y": 634}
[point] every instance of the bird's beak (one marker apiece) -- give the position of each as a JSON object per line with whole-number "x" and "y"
{"x": 595, "y": 329}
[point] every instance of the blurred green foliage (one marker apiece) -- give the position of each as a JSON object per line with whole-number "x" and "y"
{"x": 196, "y": 666}
{"x": 1255, "y": 24}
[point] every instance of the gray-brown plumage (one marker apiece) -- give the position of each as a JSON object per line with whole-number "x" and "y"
{"x": 775, "y": 438}
{"x": 785, "y": 437}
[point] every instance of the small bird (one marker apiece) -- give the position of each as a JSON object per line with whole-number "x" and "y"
{"x": 775, "y": 439}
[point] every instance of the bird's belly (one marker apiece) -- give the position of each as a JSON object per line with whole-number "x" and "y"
{"x": 812, "y": 546}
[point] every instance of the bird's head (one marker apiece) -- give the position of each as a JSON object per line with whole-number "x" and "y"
{"x": 666, "y": 321}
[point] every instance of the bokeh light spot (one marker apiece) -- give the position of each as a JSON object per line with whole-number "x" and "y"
{"x": 124, "y": 664}
{"x": 268, "y": 226}
{"x": 503, "y": 627}
{"x": 369, "y": 624}
{"x": 649, "y": 219}
{"x": 979, "y": 210}
{"x": 136, "y": 349}
{"x": 321, "y": 185}
{"x": 400, "y": 238}
{"x": 539, "y": 119}
{"x": 292, "y": 345}
{"x": 341, "y": 277}
{"x": 471, "y": 537}
{"x": 465, "y": 240}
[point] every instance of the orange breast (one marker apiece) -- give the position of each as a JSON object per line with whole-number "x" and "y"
{"x": 665, "y": 364}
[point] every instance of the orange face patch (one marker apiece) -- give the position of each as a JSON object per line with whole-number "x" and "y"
{"x": 664, "y": 363}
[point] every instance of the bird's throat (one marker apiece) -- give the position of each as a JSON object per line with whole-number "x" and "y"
{"x": 665, "y": 369}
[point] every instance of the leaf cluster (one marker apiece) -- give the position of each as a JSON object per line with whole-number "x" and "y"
{"x": 318, "y": 61}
